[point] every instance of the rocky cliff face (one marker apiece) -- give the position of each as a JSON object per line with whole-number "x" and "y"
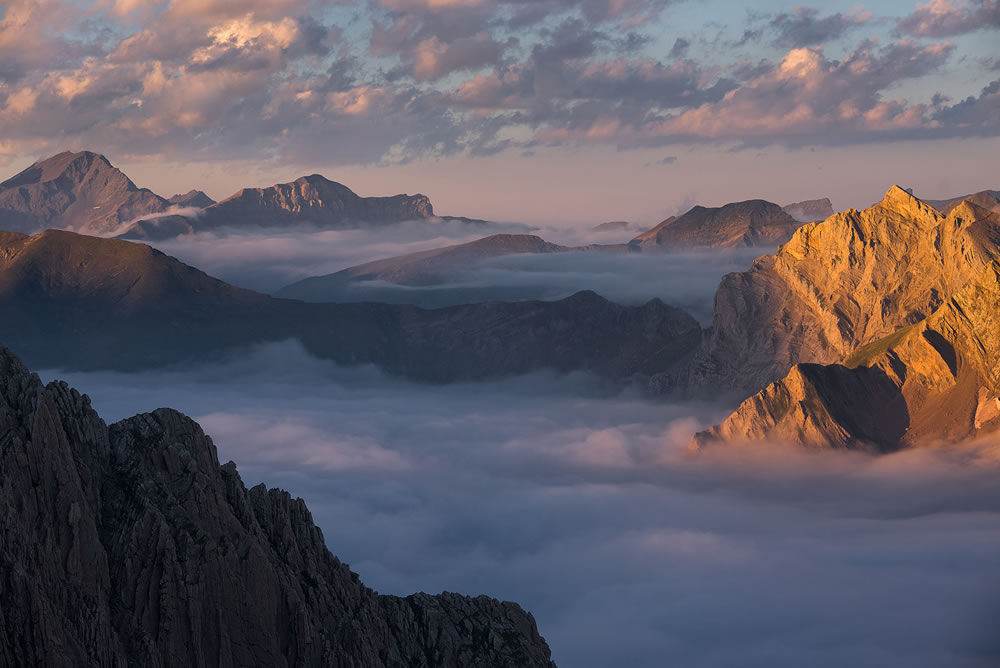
{"x": 838, "y": 285}
{"x": 810, "y": 210}
{"x": 75, "y": 191}
{"x": 737, "y": 225}
{"x": 130, "y": 545}
{"x": 936, "y": 381}
{"x": 310, "y": 199}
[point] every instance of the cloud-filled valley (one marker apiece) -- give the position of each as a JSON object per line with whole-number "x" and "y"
{"x": 269, "y": 259}
{"x": 581, "y": 502}
{"x": 500, "y": 333}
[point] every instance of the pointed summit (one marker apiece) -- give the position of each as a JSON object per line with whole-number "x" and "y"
{"x": 902, "y": 201}
{"x": 79, "y": 191}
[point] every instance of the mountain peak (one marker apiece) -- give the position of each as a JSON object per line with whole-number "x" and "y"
{"x": 903, "y": 201}
{"x": 67, "y": 163}
{"x": 192, "y": 198}
{"x": 81, "y": 191}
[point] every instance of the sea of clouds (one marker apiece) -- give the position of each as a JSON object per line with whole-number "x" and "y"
{"x": 269, "y": 259}
{"x": 582, "y": 502}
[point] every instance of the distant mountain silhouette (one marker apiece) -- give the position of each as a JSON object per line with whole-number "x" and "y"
{"x": 192, "y": 198}
{"x": 809, "y": 210}
{"x": 737, "y": 225}
{"x": 311, "y": 199}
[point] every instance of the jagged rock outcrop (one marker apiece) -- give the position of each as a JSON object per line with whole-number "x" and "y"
{"x": 129, "y": 545}
{"x": 737, "y": 225}
{"x": 310, "y": 199}
{"x": 810, "y": 210}
{"x": 936, "y": 381}
{"x": 838, "y": 285}
{"x": 76, "y": 191}
{"x": 192, "y": 198}
{"x": 72, "y": 301}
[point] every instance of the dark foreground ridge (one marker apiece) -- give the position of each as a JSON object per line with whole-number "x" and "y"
{"x": 129, "y": 545}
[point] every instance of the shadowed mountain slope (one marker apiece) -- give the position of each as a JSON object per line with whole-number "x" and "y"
{"x": 72, "y": 301}
{"x": 936, "y": 381}
{"x": 130, "y": 545}
{"x": 77, "y": 191}
{"x": 838, "y": 285}
{"x": 736, "y": 225}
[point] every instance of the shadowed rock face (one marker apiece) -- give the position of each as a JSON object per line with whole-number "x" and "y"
{"x": 937, "y": 381}
{"x": 737, "y": 225}
{"x": 76, "y": 191}
{"x": 838, "y": 285}
{"x": 130, "y": 545}
{"x": 810, "y": 210}
{"x": 310, "y": 199}
{"x": 72, "y": 301}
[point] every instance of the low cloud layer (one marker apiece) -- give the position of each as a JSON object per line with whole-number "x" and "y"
{"x": 270, "y": 259}
{"x": 267, "y": 259}
{"x": 583, "y": 505}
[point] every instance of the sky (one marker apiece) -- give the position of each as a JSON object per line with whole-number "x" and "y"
{"x": 515, "y": 110}
{"x": 581, "y": 503}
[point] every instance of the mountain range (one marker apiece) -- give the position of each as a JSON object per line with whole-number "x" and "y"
{"x": 310, "y": 199}
{"x": 75, "y": 301}
{"x": 129, "y": 545}
{"x": 798, "y": 328}
{"x": 84, "y": 192}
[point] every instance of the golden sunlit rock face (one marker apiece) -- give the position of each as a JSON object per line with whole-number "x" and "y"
{"x": 840, "y": 284}
{"x": 933, "y": 381}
